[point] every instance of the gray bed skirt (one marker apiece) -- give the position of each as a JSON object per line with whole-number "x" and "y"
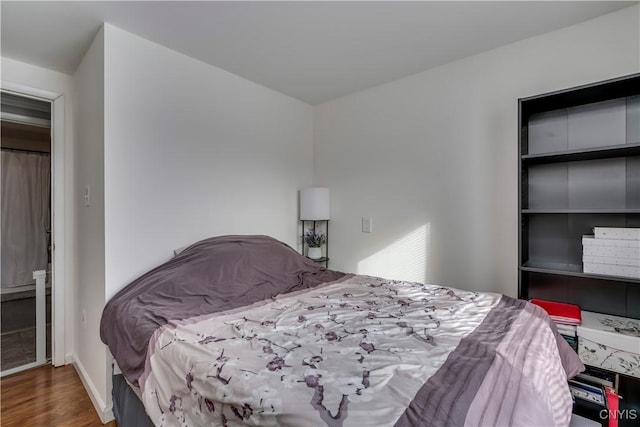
{"x": 128, "y": 409}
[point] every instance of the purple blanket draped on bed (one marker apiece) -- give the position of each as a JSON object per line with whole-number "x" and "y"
{"x": 212, "y": 275}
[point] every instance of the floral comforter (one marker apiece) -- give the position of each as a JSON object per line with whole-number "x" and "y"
{"x": 362, "y": 352}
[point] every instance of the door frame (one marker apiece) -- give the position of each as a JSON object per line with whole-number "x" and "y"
{"x": 58, "y": 244}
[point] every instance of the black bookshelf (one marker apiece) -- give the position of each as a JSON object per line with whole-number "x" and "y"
{"x": 579, "y": 167}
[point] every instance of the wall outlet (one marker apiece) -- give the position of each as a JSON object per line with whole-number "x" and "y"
{"x": 83, "y": 318}
{"x": 367, "y": 224}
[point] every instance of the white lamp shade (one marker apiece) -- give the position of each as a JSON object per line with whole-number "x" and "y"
{"x": 314, "y": 204}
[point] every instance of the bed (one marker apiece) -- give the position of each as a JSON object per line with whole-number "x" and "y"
{"x": 243, "y": 330}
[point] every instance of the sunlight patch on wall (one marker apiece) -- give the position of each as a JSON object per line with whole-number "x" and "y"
{"x": 405, "y": 259}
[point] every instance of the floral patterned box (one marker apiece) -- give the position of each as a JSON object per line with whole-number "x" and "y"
{"x": 610, "y": 342}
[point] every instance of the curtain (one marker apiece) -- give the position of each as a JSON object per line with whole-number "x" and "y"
{"x": 26, "y": 193}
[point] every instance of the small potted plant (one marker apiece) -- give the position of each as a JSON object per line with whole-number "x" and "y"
{"x": 315, "y": 239}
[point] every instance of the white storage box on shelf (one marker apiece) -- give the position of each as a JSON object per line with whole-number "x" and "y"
{"x": 612, "y": 270}
{"x": 611, "y": 260}
{"x": 610, "y": 247}
{"x": 612, "y": 257}
{"x": 610, "y": 342}
{"x": 622, "y": 233}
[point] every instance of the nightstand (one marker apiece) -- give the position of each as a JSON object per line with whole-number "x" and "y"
{"x": 319, "y": 226}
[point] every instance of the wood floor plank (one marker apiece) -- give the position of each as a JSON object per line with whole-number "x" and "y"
{"x": 46, "y": 396}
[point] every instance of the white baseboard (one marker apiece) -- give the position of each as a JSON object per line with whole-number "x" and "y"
{"x": 105, "y": 412}
{"x": 68, "y": 358}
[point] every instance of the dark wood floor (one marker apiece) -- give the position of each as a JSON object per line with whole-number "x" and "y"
{"x": 46, "y": 396}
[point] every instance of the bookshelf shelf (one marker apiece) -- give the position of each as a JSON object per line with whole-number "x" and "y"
{"x": 602, "y": 152}
{"x": 579, "y": 211}
{"x": 574, "y": 270}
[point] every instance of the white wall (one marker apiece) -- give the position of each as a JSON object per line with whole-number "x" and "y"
{"x": 90, "y": 354}
{"x": 433, "y": 157}
{"x": 16, "y": 72}
{"x": 192, "y": 151}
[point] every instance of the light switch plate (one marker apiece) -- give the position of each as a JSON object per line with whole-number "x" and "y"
{"x": 367, "y": 224}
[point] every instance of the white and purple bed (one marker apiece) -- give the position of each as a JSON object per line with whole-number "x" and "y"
{"x": 243, "y": 330}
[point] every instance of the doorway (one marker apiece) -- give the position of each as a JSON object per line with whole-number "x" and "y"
{"x": 26, "y": 244}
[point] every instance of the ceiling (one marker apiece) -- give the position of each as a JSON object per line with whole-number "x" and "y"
{"x": 313, "y": 51}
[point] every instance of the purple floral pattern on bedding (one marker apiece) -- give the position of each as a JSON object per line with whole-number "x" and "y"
{"x": 350, "y": 353}
{"x": 324, "y": 349}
